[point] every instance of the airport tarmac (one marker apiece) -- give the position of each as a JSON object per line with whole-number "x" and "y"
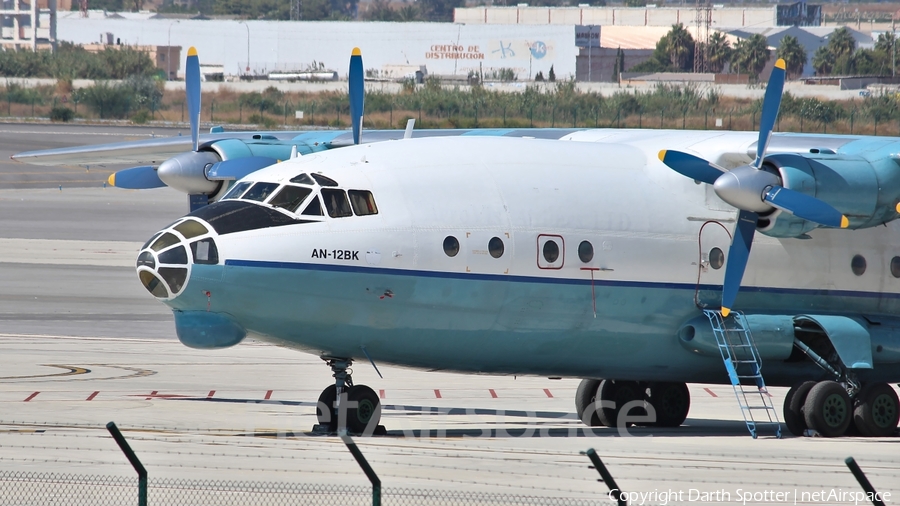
{"x": 82, "y": 344}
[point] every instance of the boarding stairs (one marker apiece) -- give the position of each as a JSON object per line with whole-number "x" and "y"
{"x": 743, "y": 365}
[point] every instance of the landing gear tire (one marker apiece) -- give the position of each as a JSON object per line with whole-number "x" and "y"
{"x": 828, "y": 409}
{"x": 585, "y": 399}
{"x": 877, "y": 410}
{"x": 671, "y": 401}
{"x": 619, "y": 393}
{"x": 793, "y": 407}
{"x": 325, "y": 408}
{"x": 364, "y": 411}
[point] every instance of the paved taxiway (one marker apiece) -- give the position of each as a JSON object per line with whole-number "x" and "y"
{"x": 82, "y": 343}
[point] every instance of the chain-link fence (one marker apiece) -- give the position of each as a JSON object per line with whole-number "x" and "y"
{"x": 43, "y": 489}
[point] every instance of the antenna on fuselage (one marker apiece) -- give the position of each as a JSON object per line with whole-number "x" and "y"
{"x": 410, "y": 123}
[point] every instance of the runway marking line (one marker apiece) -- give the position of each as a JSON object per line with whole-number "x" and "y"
{"x": 547, "y": 391}
{"x": 493, "y": 393}
{"x": 268, "y": 394}
{"x": 710, "y": 392}
{"x": 152, "y": 395}
{"x": 437, "y": 393}
{"x": 91, "y": 397}
{"x": 381, "y": 394}
{"x": 211, "y": 394}
{"x": 32, "y": 396}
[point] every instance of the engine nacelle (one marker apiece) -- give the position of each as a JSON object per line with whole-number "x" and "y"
{"x": 866, "y": 192}
{"x": 187, "y": 173}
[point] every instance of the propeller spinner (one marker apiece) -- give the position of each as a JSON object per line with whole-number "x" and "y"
{"x": 753, "y": 190}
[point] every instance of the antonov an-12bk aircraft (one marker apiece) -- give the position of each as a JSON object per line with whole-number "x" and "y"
{"x": 618, "y": 256}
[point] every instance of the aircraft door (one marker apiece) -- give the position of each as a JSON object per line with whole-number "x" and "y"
{"x": 714, "y": 239}
{"x": 488, "y": 252}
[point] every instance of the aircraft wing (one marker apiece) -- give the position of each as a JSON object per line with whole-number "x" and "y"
{"x": 146, "y": 151}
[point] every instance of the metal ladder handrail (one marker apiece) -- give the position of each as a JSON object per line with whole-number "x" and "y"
{"x": 729, "y": 340}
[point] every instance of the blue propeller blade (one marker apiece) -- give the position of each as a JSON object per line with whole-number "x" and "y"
{"x": 357, "y": 92}
{"x": 770, "y": 106}
{"x": 691, "y": 166}
{"x": 136, "y": 178}
{"x": 192, "y": 90}
{"x": 238, "y": 167}
{"x": 806, "y": 207}
{"x": 737, "y": 258}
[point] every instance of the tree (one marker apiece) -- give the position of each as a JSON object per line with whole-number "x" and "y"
{"x": 841, "y": 42}
{"x": 823, "y": 61}
{"x": 680, "y": 47}
{"x": 551, "y": 76}
{"x": 794, "y": 55}
{"x": 752, "y": 54}
{"x": 719, "y": 52}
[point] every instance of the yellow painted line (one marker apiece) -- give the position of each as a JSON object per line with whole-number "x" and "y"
{"x": 72, "y": 371}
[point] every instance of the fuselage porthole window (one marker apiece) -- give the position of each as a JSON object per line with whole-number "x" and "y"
{"x": 858, "y": 265}
{"x": 585, "y": 251}
{"x": 324, "y": 180}
{"x": 895, "y": 267}
{"x": 363, "y": 202}
{"x": 336, "y": 203}
{"x": 237, "y": 190}
{"x": 716, "y": 258}
{"x": 451, "y": 246}
{"x": 495, "y": 247}
{"x": 551, "y": 251}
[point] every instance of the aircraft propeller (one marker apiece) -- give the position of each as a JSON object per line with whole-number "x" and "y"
{"x": 357, "y": 93}
{"x": 753, "y": 190}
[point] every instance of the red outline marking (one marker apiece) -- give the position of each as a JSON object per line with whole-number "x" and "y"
{"x": 437, "y": 394}
{"x": 493, "y": 393}
{"x": 381, "y": 394}
{"x": 152, "y": 395}
{"x": 710, "y": 392}
{"x": 210, "y": 394}
{"x": 547, "y": 391}
{"x": 91, "y": 397}
{"x": 268, "y": 394}
{"x": 32, "y": 396}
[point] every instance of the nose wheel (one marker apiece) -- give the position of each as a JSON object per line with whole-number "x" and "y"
{"x": 345, "y": 407}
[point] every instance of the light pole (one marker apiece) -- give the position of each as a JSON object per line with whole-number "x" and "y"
{"x": 247, "y": 26}
{"x": 169, "y": 52}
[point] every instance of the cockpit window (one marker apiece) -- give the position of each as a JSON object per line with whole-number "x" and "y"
{"x": 190, "y": 228}
{"x": 290, "y": 197}
{"x": 314, "y": 208}
{"x": 303, "y": 179}
{"x": 236, "y": 190}
{"x": 260, "y": 191}
{"x": 324, "y": 181}
{"x": 336, "y": 203}
{"x": 164, "y": 242}
{"x": 174, "y": 256}
{"x": 363, "y": 202}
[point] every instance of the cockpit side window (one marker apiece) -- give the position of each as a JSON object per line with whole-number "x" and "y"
{"x": 237, "y": 190}
{"x": 363, "y": 202}
{"x": 336, "y": 203}
{"x": 290, "y": 197}
{"x": 303, "y": 179}
{"x": 314, "y": 208}
{"x": 260, "y": 191}
{"x": 324, "y": 181}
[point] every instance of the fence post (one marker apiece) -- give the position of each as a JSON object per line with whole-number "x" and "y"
{"x": 863, "y": 481}
{"x": 364, "y": 464}
{"x": 132, "y": 458}
{"x": 605, "y": 477}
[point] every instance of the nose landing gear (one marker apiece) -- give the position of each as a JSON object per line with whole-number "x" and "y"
{"x": 345, "y": 407}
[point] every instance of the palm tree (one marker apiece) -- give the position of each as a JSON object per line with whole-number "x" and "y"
{"x": 680, "y": 47}
{"x": 719, "y": 52}
{"x": 841, "y": 43}
{"x": 823, "y": 61}
{"x": 793, "y": 54}
{"x": 752, "y": 54}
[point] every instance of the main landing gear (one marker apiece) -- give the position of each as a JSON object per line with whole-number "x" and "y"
{"x": 612, "y": 402}
{"x": 828, "y": 408}
{"x": 344, "y": 406}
